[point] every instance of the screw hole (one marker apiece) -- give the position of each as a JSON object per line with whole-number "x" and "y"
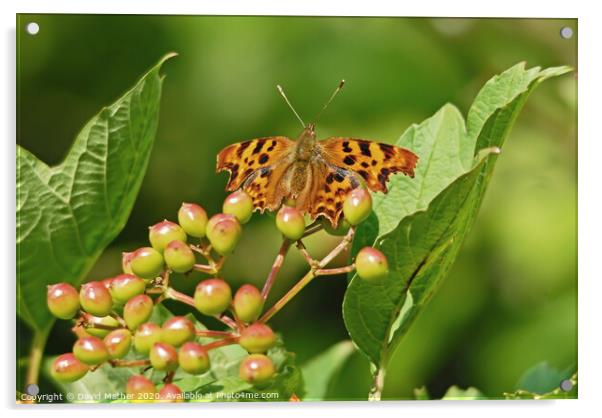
{"x": 566, "y": 32}
{"x": 32, "y": 28}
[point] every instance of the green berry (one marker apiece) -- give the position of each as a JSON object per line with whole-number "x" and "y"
{"x": 126, "y": 262}
{"x": 257, "y": 338}
{"x": 146, "y": 336}
{"x": 357, "y": 206}
{"x": 177, "y": 330}
{"x": 371, "y": 264}
{"x": 118, "y": 343}
{"x": 95, "y": 299}
{"x": 163, "y": 357}
{"x": 90, "y": 350}
{"x": 240, "y": 205}
{"x": 163, "y": 233}
{"x": 140, "y": 389}
{"x": 67, "y": 368}
{"x": 179, "y": 257}
{"x": 63, "y": 300}
{"x": 290, "y": 222}
{"x": 212, "y": 296}
{"x": 224, "y": 232}
{"x": 126, "y": 286}
{"x": 193, "y": 358}
{"x": 137, "y": 311}
{"x": 257, "y": 369}
{"x": 193, "y": 219}
{"x": 100, "y": 332}
{"x": 248, "y": 303}
{"x": 341, "y": 229}
{"x": 146, "y": 262}
{"x": 170, "y": 393}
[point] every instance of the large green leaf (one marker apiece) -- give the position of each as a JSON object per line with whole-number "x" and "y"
{"x": 421, "y": 223}
{"x": 67, "y": 214}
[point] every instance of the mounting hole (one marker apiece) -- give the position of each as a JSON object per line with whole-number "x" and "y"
{"x": 566, "y": 385}
{"x": 566, "y": 33}
{"x": 32, "y": 28}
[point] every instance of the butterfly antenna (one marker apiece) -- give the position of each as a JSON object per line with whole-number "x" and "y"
{"x": 332, "y": 96}
{"x": 281, "y": 91}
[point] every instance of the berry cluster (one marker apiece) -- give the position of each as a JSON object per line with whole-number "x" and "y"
{"x": 112, "y": 316}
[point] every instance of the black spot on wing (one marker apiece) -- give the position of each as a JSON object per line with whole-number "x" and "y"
{"x": 259, "y": 146}
{"x": 349, "y": 160}
{"x": 346, "y": 147}
{"x": 263, "y": 158}
{"x": 243, "y": 146}
{"x": 365, "y": 148}
{"x": 388, "y": 150}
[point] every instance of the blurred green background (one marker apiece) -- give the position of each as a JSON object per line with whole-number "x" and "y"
{"x": 511, "y": 299}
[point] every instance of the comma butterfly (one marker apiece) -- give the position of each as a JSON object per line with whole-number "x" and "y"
{"x": 315, "y": 175}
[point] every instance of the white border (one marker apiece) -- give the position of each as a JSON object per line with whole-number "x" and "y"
{"x": 590, "y": 209}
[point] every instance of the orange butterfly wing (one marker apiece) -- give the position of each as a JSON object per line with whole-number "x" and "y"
{"x": 256, "y": 165}
{"x": 373, "y": 161}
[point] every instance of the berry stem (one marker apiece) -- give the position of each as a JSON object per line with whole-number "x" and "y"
{"x": 229, "y": 322}
{"x": 310, "y": 260}
{"x": 333, "y": 271}
{"x": 288, "y": 296}
{"x": 204, "y": 268}
{"x": 129, "y": 363}
{"x": 169, "y": 377}
{"x": 275, "y": 269}
{"x": 213, "y": 334}
{"x": 171, "y": 293}
{"x": 338, "y": 249}
{"x": 220, "y": 343}
{"x": 312, "y": 229}
{"x": 119, "y": 319}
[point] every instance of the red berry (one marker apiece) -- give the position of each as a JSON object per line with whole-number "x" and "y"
{"x": 67, "y": 368}
{"x": 224, "y": 232}
{"x": 137, "y": 311}
{"x": 146, "y": 335}
{"x": 90, "y": 350}
{"x": 170, "y": 393}
{"x": 95, "y": 299}
{"x": 126, "y": 260}
{"x": 163, "y": 357}
{"x": 140, "y": 389}
{"x": 100, "y": 332}
{"x": 257, "y": 369}
{"x": 371, "y": 264}
{"x": 240, "y": 205}
{"x": 257, "y": 338}
{"x": 163, "y": 233}
{"x": 179, "y": 257}
{"x": 248, "y": 303}
{"x": 63, "y": 300}
{"x": 146, "y": 262}
{"x": 290, "y": 222}
{"x": 126, "y": 286}
{"x": 118, "y": 343}
{"x": 193, "y": 358}
{"x": 212, "y": 296}
{"x": 177, "y": 330}
{"x": 193, "y": 219}
{"x": 357, "y": 206}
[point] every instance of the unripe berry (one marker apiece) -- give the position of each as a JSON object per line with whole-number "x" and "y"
{"x": 95, "y": 299}
{"x": 257, "y": 338}
{"x": 90, "y": 350}
{"x": 162, "y": 233}
{"x": 248, "y": 303}
{"x": 341, "y": 229}
{"x": 137, "y": 311}
{"x": 126, "y": 286}
{"x": 146, "y": 262}
{"x": 99, "y": 332}
{"x": 170, "y": 393}
{"x": 212, "y": 296}
{"x": 224, "y": 232}
{"x": 193, "y": 219}
{"x": 179, "y": 257}
{"x": 357, "y": 206}
{"x": 126, "y": 260}
{"x": 290, "y": 222}
{"x": 67, "y": 368}
{"x": 257, "y": 369}
{"x": 146, "y": 336}
{"x": 118, "y": 343}
{"x": 240, "y": 205}
{"x": 193, "y": 358}
{"x": 177, "y": 330}
{"x": 63, "y": 300}
{"x": 371, "y": 264}
{"x": 140, "y": 389}
{"x": 163, "y": 357}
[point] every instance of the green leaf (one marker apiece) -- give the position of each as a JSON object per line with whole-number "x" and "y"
{"x": 542, "y": 378}
{"x": 320, "y": 371}
{"x": 421, "y": 223}
{"x": 68, "y": 214}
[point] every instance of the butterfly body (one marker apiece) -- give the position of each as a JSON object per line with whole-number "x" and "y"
{"x": 315, "y": 175}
